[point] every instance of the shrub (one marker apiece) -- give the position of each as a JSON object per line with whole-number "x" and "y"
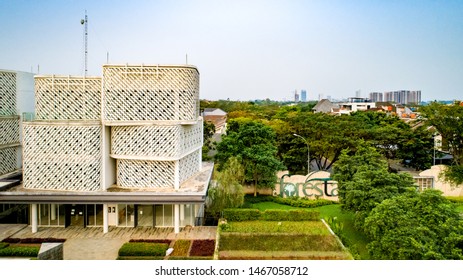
{"x": 204, "y": 247}
{"x": 19, "y": 251}
{"x": 455, "y": 199}
{"x": 181, "y": 247}
{"x": 291, "y": 215}
{"x": 4, "y": 245}
{"x": 143, "y": 249}
{"x": 11, "y": 240}
{"x": 191, "y": 258}
{"x": 137, "y": 258}
{"x": 33, "y": 240}
{"x": 302, "y": 202}
{"x": 235, "y": 214}
{"x": 164, "y": 241}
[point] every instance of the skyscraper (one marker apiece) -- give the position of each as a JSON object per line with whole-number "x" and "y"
{"x": 376, "y": 96}
{"x": 303, "y": 95}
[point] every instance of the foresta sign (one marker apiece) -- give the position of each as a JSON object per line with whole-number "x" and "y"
{"x": 312, "y": 187}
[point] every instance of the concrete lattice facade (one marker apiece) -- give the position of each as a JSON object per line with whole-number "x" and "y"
{"x": 156, "y": 133}
{"x": 63, "y": 145}
{"x": 16, "y": 96}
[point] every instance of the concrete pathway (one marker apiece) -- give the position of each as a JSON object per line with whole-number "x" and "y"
{"x": 92, "y": 249}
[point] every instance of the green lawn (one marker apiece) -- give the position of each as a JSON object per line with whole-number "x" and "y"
{"x": 356, "y": 240}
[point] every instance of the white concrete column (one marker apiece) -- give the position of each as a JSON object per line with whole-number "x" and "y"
{"x": 200, "y": 161}
{"x": 53, "y": 212}
{"x": 176, "y": 218}
{"x": 34, "y": 218}
{"x": 177, "y": 175}
{"x": 182, "y": 213}
{"x": 105, "y": 218}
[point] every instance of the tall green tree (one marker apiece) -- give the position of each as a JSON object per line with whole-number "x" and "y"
{"x": 415, "y": 226}
{"x": 254, "y": 144}
{"x": 228, "y": 191}
{"x": 364, "y": 181}
{"x": 448, "y": 121}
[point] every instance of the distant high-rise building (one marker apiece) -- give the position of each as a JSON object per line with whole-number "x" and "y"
{"x": 303, "y": 95}
{"x": 376, "y": 96}
{"x": 296, "y": 96}
{"x": 358, "y": 93}
{"x": 403, "y": 96}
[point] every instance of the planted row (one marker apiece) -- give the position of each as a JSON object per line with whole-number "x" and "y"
{"x": 143, "y": 249}
{"x": 8, "y": 250}
{"x": 239, "y": 214}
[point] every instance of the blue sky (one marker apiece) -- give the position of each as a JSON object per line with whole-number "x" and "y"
{"x": 249, "y": 50}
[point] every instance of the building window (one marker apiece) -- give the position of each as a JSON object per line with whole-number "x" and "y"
{"x": 424, "y": 183}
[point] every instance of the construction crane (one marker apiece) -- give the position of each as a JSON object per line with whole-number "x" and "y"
{"x": 84, "y": 22}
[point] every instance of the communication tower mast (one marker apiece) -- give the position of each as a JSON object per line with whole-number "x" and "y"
{"x": 84, "y": 22}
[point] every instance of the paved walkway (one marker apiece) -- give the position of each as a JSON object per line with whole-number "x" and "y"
{"x": 92, "y": 244}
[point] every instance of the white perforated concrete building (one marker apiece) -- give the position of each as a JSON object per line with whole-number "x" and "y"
{"x": 16, "y": 97}
{"x": 121, "y": 150}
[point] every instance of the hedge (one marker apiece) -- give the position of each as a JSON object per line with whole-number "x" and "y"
{"x": 33, "y": 240}
{"x": 202, "y": 247}
{"x": 301, "y": 202}
{"x": 4, "y": 245}
{"x": 290, "y": 215}
{"x": 181, "y": 247}
{"x": 164, "y": 241}
{"x": 238, "y": 214}
{"x": 143, "y": 249}
{"x": 19, "y": 251}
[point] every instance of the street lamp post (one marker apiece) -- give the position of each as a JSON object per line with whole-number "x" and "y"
{"x": 308, "y": 151}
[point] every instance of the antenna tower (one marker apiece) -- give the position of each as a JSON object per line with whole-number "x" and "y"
{"x": 84, "y": 22}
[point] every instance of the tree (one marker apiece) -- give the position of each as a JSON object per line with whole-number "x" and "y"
{"x": 415, "y": 226}
{"x": 448, "y": 121}
{"x": 364, "y": 181}
{"x": 208, "y": 132}
{"x": 254, "y": 144}
{"x": 228, "y": 190}
{"x": 416, "y": 148}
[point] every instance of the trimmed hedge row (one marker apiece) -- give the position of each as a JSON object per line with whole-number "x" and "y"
{"x": 143, "y": 249}
{"x": 164, "y": 241}
{"x": 202, "y": 247}
{"x": 239, "y": 215}
{"x": 290, "y": 215}
{"x": 292, "y": 201}
{"x": 455, "y": 199}
{"x": 33, "y": 240}
{"x": 19, "y": 251}
{"x": 4, "y": 245}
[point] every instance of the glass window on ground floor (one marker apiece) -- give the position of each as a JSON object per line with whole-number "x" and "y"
{"x": 187, "y": 215}
{"x": 94, "y": 214}
{"x": 126, "y": 215}
{"x": 164, "y": 215}
{"x": 145, "y": 215}
{"x": 51, "y": 215}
